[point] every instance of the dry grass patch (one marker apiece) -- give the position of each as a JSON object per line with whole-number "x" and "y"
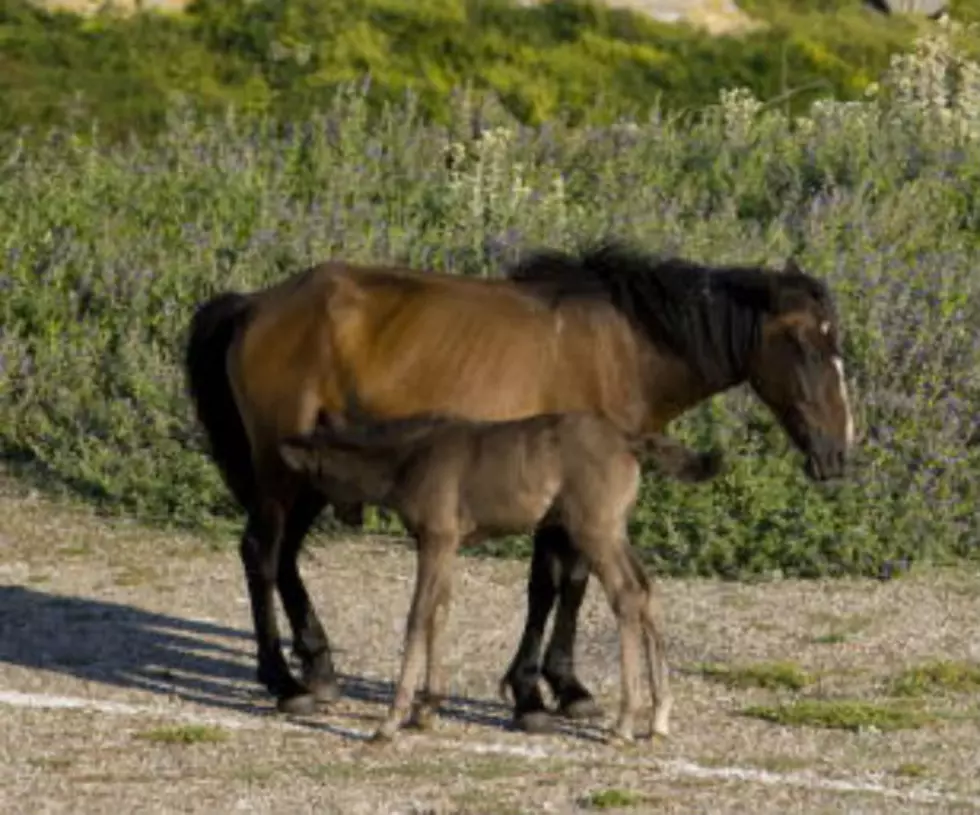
{"x": 839, "y": 628}
{"x": 184, "y": 734}
{"x": 768, "y": 675}
{"x": 936, "y": 677}
{"x": 843, "y": 714}
{"x": 613, "y": 798}
{"x": 911, "y": 769}
{"x": 51, "y": 763}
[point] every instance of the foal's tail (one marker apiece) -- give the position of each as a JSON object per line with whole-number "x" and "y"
{"x": 677, "y": 460}
{"x": 212, "y": 330}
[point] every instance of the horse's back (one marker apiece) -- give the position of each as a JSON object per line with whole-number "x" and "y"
{"x": 437, "y": 343}
{"x": 403, "y": 341}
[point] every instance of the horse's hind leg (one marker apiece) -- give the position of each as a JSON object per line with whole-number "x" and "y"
{"x": 310, "y": 641}
{"x": 260, "y": 557}
{"x": 433, "y": 569}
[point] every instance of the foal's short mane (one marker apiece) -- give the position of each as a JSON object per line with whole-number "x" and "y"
{"x": 709, "y": 316}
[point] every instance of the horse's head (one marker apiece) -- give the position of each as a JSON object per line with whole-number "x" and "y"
{"x": 798, "y": 372}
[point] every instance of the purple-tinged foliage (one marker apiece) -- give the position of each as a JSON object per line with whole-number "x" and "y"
{"x": 101, "y": 273}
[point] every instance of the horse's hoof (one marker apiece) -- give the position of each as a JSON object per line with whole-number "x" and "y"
{"x": 423, "y": 720}
{"x": 300, "y": 704}
{"x": 584, "y": 708}
{"x": 536, "y": 721}
{"x": 324, "y": 691}
{"x": 383, "y": 735}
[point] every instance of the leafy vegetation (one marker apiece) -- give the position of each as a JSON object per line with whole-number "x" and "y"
{"x": 569, "y": 59}
{"x": 184, "y": 734}
{"x": 770, "y": 675}
{"x": 107, "y": 248}
{"x": 845, "y": 714}
{"x": 613, "y": 798}
{"x": 939, "y": 676}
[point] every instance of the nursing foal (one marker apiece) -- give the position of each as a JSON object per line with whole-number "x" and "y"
{"x": 457, "y": 482}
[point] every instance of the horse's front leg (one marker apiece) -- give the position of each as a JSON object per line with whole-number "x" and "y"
{"x": 530, "y": 712}
{"x": 574, "y": 699}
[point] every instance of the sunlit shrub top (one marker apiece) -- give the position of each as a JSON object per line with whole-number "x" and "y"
{"x": 560, "y": 59}
{"x": 106, "y": 249}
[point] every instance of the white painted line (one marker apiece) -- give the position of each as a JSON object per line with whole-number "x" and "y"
{"x": 675, "y": 768}
{"x": 44, "y": 701}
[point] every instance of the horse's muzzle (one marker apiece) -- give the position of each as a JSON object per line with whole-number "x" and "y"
{"x": 826, "y": 459}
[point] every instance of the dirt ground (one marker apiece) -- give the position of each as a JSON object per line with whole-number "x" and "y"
{"x": 126, "y": 685}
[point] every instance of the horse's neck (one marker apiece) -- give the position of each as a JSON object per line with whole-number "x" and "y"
{"x": 671, "y": 388}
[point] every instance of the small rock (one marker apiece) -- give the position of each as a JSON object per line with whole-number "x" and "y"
{"x": 926, "y": 8}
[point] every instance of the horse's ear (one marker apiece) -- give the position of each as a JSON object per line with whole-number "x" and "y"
{"x": 299, "y": 454}
{"x": 791, "y": 266}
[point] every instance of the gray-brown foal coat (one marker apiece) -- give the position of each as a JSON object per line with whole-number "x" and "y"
{"x": 454, "y": 482}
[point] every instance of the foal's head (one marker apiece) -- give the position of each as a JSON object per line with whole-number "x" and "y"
{"x": 797, "y": 370}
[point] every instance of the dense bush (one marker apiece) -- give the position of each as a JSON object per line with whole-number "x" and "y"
{"x": 563, "y": 58}
{"x": 105, "y": 251}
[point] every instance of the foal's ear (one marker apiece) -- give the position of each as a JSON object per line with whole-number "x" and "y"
{"x": 299, "y": 453}
{"x": 791, "y": 266}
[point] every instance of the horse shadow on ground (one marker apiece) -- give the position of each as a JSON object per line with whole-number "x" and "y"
{"x": 197, "y": 661}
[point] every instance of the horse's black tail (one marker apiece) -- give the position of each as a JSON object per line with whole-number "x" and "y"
{"x": 678, "y": 461}
{"x": 212, "y": 329}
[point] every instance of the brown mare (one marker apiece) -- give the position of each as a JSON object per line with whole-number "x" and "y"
{"x": 632, "y": 338}
{"x": 454, "y": 481}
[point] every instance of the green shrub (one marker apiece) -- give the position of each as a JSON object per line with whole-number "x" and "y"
{"x": 106, "y": 250}
{"x": 567, "y": 59}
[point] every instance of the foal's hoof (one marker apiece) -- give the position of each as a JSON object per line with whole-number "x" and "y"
{"x": 583, "y": 708}
{"x": 423, "y": 719}
{"x": 300, "y": 704}
{"x": 324, "y": 692}
{"x": 618, "y": 738}
{"x": 535, "y": 721}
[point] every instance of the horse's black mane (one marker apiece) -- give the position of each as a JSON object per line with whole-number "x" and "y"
{"x": 709, "y": 316}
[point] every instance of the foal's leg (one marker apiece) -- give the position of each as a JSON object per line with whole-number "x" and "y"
{"x": 260, "y": 557}
{"x": 654, "y": 646}
{"x": 557, "y": 571}
{"x": 628, "y": 601}
{"x": 433, "y": 569}
{"x": 435, "y": 673}
{"x": 310, "y": 641}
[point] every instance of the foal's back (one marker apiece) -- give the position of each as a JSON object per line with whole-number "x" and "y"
{"x": 506, "y": 477}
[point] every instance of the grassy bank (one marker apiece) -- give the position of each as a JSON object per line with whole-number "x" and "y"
{"x": 105, "y": 251}
{"x": 286, "y": 58}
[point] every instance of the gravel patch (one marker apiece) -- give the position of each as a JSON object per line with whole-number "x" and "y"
{"x": 146, "y": 633}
